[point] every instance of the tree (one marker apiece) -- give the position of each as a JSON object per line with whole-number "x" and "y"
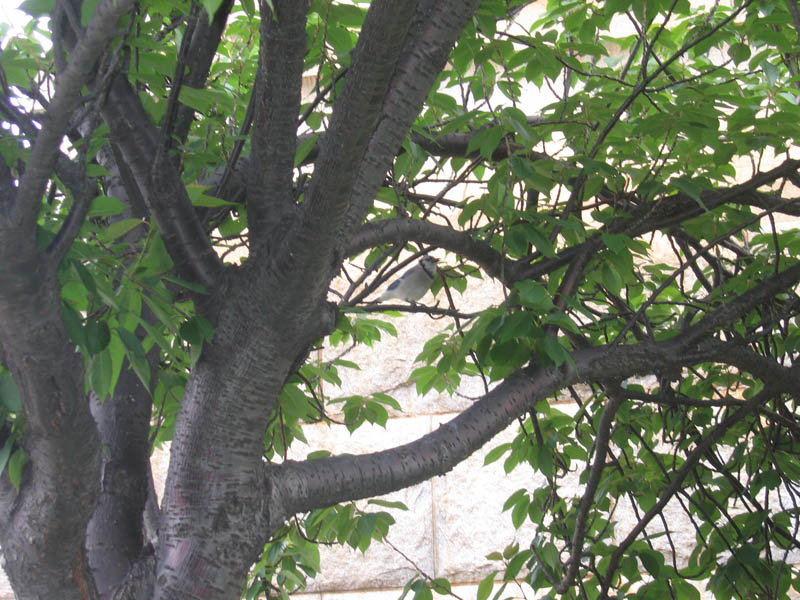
{"x": 144, "y": 142}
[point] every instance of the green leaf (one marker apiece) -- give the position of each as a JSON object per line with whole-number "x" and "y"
{"x": 554, "y": 351}
{"x": 515, "y": 565}
{"x": 162, "y": 312}
{"x": 739, "y": 52}
{"x": 304, "y": 148}
{"x": 199, "y": 198}
{"x": 38, "y": 8}
{"x": 211, "y": 7}
{"x": 421, "y": 591}
{"x": 100, "y": 374}
{"x": 74, "y": 325}
{"x": 86, "y": 278}
{"x": 203, "y": 100}
{"x": 87, "y": 10}
{"x": 562, "y": 321}
{"x": 339, "y": 39}
{"x": 97, "y": 336}
{"x": 16, "y": 463}
{"x": 120, "y": 228}
{"x": 5, "y": 453}
{"x": 534, "y": 295}
{"x": 542, "y": 244}
{"x": 616, "y": 242}
{"x": 196, "y": 329}
{"x": 156, "y": 259}
{"x": 496, "y": 453}
{"x": 771, "y": 72}
{"x": 136, "y": 355}
{"x": 317, "y": 454}
{"x": 652, "y": 561}
{"x": 9, "y": 394}
{"x": 387, "y": 400}
{"x": 685, "y": 590}
{"x": 249, "y": 8}
{"x": 516, "y": 120}
{"x": 106, "y": 206}
{"x": 690, "y": 188}
{"x": 611, "y": 278}
{"x": 520, "y": 512}
{"x": 195, "y": 287}
{"x": 485, "y": 586}
{"x": 485, "y": 141}
{"x": 387, "y": 504}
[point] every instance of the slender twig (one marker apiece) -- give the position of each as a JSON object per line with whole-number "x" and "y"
{"x": 587, "y": 500}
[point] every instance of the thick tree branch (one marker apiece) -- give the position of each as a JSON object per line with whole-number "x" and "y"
{"x": 735, "y": 308}
{"x": 660, "y": 214}
{"x": 270, "y": 200}
{"x": 356, "y": 115}
{"x": 43, "y": 537}
{"x": 160, "y": 185}
{"x": 313, "y": 484}
{"x": 115, "y": 534}
{"x": 436, "y": 26}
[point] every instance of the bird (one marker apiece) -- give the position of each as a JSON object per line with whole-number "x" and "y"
{"x": 412, "y": 285}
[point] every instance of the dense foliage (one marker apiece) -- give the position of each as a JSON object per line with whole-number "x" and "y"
{"x": 625, "y": 169}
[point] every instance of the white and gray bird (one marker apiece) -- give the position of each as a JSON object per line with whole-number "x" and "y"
{"x": 412, "y": 285}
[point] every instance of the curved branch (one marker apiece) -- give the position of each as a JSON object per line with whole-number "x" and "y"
{"x": 101, "y": 30}
{"x": 160, "y": 185}
{"x": 299, "y": 486}
{"x": 660, "y": 214}
{"x": 313, "y": 484}
{"x": 401, "y": 230}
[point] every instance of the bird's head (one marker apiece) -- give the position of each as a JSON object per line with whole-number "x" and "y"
{"x": 429, "y": 264}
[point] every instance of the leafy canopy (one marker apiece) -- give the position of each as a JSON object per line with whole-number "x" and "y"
{"x": 625, "y": 169}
